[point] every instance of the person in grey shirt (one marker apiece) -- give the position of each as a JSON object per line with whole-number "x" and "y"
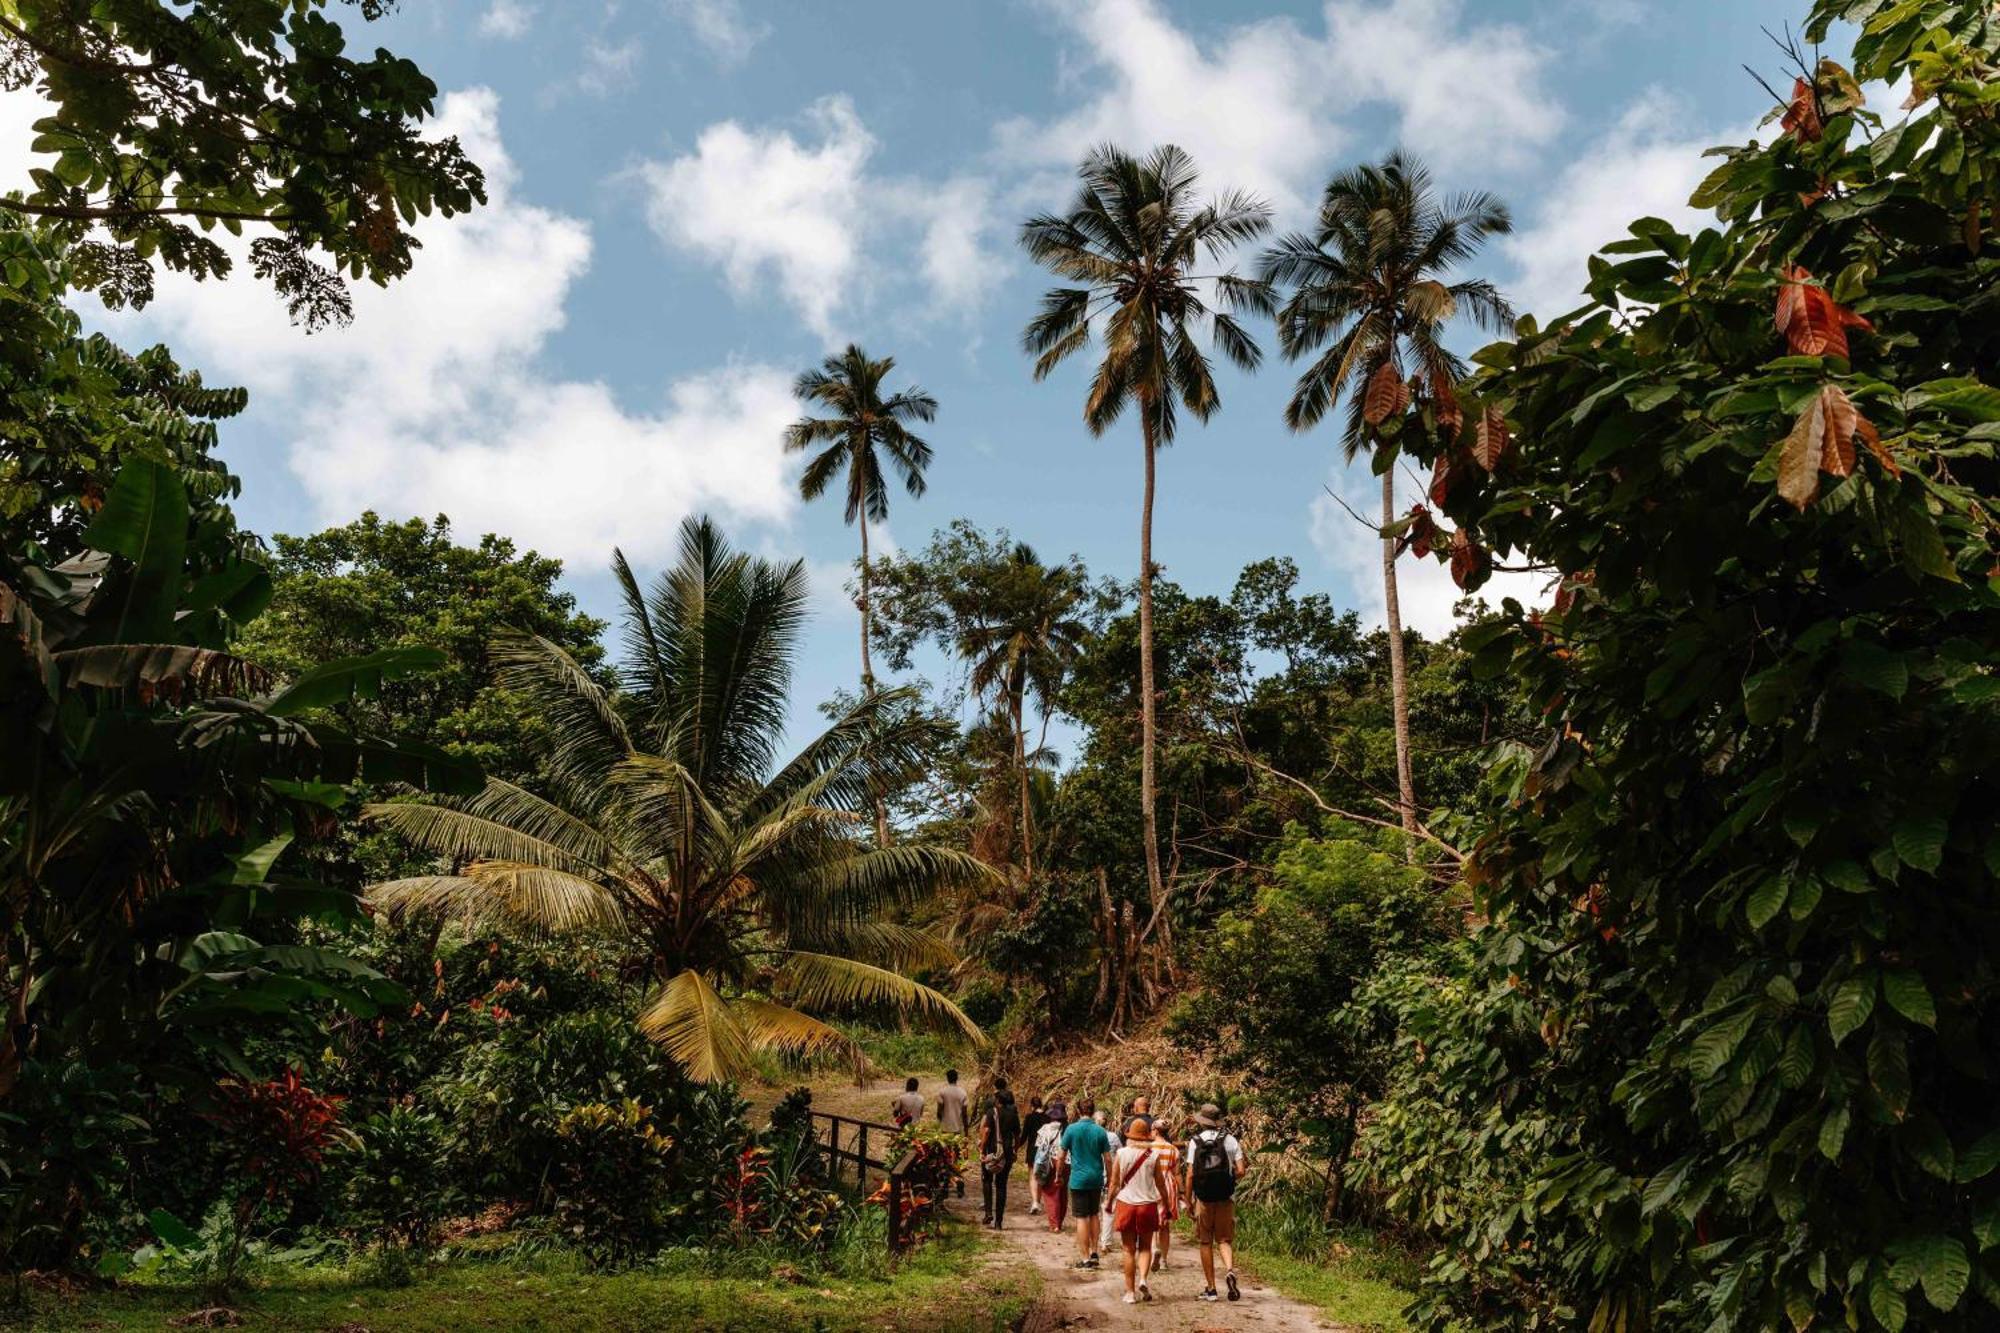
{"x": 908, "y": 1106}
{"x": 951, "y": 1104}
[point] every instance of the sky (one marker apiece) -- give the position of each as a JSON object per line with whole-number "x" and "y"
{"x": 693, "y": 200}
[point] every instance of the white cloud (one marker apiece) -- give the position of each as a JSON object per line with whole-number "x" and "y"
{"x": 1425, "y": 593}
{"x": 1645, "y": 165}
{"x": 803, "y": 213}
{"x": 762, "y": 202}
{"x": 721, "y": 26}
{"x": 1265, "y": 106}
{"x": 507, "y": 19}
{"x": 435, "y": 397}
{"x": 608, "y": 66}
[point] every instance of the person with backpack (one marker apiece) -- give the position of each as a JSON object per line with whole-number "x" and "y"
{"x": 1214, "y": 1162}
{"x": 999, "y": 1136}
{"x": 1051, "y": 1188}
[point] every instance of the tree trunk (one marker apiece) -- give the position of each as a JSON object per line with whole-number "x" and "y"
{"x": 1021, "y": 769}
{"x": 1399, "y": 675}
{"x": 1147, "y": 778}
{"x": 868, "y": 681}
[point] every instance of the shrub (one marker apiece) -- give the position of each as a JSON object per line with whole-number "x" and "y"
{"x": 396, "y": 1183}
{"x": 610, "y": 1171}
{"x": 67, "y": 1133}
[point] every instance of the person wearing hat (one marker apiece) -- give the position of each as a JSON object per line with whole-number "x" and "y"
{"x": 1170, "y": 1208}
{"x": 1139, "y": 1193}
{"x": 1213, "y": 1162}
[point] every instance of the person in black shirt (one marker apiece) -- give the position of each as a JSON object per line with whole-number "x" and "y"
{"x": 999, "y": 1136}
{"x": 1031, "y": 1126}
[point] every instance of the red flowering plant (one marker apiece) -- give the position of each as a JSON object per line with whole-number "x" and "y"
{"x": 936, "y": 1158}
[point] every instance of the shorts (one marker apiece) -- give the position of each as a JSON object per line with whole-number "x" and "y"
{"x": 1084, "y": 1203}
{"x": 1215, "y": 1222}
{"x": 1138, "y": 1221}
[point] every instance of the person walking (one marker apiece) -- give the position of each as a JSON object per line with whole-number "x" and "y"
{"x": 999, "y": 1137}
{"x": 1105, "y": 1232}
{"x": 1138, "y": 1192}
{"x": 1086, "y": 1151}
{"x": 1050, "y": 1173}
{"x": 1170, "y": 1171}
{"x": 1214, "y": 1162}
{"x": 1031, "y": 1132}
{"x": 951, "y": 1112}
{"x": 907, "y": 1107}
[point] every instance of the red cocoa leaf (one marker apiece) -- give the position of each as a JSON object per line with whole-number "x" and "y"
{"x": 1873, "y": 439}
{"x": 1443, "y": 473}
{"x": 1467, "y": 558}
{"x": 1489, "y": 438}
{"x": 1419, "y": 537}
{"x": 1387, "y": 395}
{"x": 1449, "y": 415}
{"x": 1798, "y": 460}
{"x": 1814, "y": 324}
{"x": 1802, "y": 113}
{"x": 1840, "y": 421}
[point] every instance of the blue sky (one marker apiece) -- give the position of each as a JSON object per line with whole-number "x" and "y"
{"x": 694, "y": 199}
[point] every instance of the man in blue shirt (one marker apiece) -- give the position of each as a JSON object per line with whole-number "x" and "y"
{"x": 1085, "y": 1146}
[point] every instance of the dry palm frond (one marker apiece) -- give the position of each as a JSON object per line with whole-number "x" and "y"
{"x": 531, "y": 897}
{"x": 695, "y": 1026}
{"x": 458, "y": 835}
{"x": 777, "y": 1027}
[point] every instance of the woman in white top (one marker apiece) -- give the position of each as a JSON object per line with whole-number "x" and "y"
{"x": 1139, "y": 1192}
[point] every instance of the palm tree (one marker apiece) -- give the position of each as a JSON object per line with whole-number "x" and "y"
{"x": 1133, "y": 239}
{"x": 671, "y": 823}
{"x": 1022, "y": 641}
{"x": 1369, "y": 287}
{"x": 850, "y": 386}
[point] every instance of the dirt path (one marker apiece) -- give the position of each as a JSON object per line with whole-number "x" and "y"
{"x": 1073, "y": 1299}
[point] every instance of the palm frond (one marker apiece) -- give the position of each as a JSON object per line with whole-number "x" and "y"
{"x": 823, "y": 981}
{"x": 695, "y": 1027}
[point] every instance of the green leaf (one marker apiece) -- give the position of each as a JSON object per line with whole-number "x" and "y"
{"x": 1944, "y": 1269}
{"x": 1874, "y": 667}
{"x": 1766, "y": 901}
{"x": 172, "y": 1230}
{"x": 1971, "y": 400}
{"x": 1852, "y": 1002}
{"x": 1805, "y": 896}
{"x": 144, "y": 519}
{"x": 254, "y": 866}
{"x": 1889, "y": 1068}
{"x": 1833, "y": 1133}
{"x": 1906, "y": 993}
{"x": 1978, "y": 1161}
{"x": 1887, "y": 1304}
{"x": 1919, "y": 839}
{"x": 353, "y": 678}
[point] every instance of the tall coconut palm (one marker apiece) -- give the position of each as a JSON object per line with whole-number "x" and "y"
{"x": 1021, "y": 642}
{"x": 849, "y": 385}
{"x": 1371, "y": 293}
{"x": 1133, "y": 240}
{"x": 671, "y": 823}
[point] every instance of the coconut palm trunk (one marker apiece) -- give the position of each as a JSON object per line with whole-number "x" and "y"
{"x": 1021, "y": 775}
{"x": 1148, "y": 776}
{"x": 868, "y": 680}
{"x": 1399, "y": 672}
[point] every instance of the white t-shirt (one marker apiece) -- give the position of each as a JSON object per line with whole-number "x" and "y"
{"x": 1231, "y": 1149}
{"x": 1135, "y": 1171}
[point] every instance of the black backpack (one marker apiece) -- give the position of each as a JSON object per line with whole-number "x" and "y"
{"x": 1213, "y": 1178}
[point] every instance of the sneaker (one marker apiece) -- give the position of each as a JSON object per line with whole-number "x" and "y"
{"x": 1082, "y": 1264}
{"x": 1235, "y": 1293}
{"x": 1145, "y": 1292}
{"x": 1208, "y": 1294}
{"x": 1129, "y": 1298}
{"x": 1093, "y": 1259}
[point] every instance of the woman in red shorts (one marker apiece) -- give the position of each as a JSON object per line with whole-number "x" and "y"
{"x": 1138, "y": 1196}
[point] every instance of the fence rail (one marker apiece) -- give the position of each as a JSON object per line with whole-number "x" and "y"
{"x": 852, "y": 1151}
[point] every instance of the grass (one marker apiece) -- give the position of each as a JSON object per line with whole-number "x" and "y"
{"x": 953, "y": 1284}
{"x": 1353, "y": 1277}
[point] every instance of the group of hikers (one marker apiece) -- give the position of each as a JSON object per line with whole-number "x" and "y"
{"x": 1133, "y": 1180}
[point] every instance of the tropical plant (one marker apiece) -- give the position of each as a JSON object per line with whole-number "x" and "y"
{"x": 849, "y": 385}
{"x": 1134, "y": 239}
{"x": 610, "y": 1173}
{"x": 164, "y": 123}
{"x": 669, "y": 821}
{"x": 396, "y": 1182}
{"x": 1371, "y": 293}
{"x": 1022, "y": 638}
{"x": 1743, "y": 885}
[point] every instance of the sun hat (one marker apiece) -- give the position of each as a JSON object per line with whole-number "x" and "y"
{"x": 1139, "y": 1128}
{"x": 1209, "y": 1116}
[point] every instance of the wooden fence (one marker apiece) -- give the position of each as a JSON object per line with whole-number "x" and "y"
{"x": 847, "y": 1145}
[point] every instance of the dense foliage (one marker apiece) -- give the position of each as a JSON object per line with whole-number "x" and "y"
{"x": 1740, "y": 1036}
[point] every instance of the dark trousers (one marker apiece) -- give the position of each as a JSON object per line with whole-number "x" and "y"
{"x": 993, "y": 1189}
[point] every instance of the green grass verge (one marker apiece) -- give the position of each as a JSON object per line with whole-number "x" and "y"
{"x": 959, "y": 1283}
{"x": 1355, "y": 1279}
